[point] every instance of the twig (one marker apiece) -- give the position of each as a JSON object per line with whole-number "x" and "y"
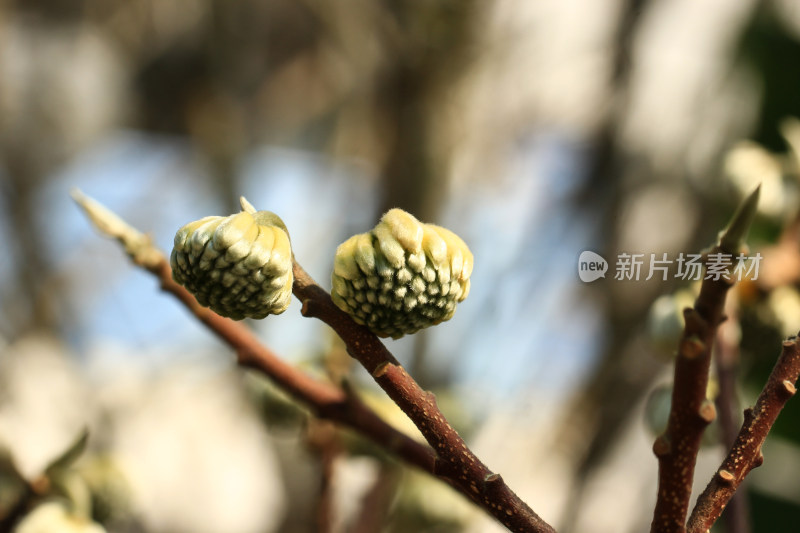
{"x": 690, "y": 413}
{"x": 726, "y": 358}
{"x": 323, "y": 438}
{"x": 746, "y": 451}
{"x": 677, "y": 448}
{"x": 455, "y": 461}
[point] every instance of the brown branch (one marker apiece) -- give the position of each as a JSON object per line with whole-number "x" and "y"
{"x": 746, "y": 451}
{"x": 677, "y": 448}
{"x": 726, "y": 358}
{"x": 326, "y": 401}
{"x": 690, "y": 412}
{"x": 455, "y": 462}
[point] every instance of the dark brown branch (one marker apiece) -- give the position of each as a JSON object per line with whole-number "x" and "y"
{"x": 677, "y": 448}
{"x": 326, "y": 401}
{"x": 690, "y": 412}
{"x": 455, "y": 462}
{"x": 746, "y": 451}
{"x": 726, "y": 358}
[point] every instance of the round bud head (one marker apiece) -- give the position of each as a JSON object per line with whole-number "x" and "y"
{"x": 239, "y": 266}
{"x": 402, "y": 276}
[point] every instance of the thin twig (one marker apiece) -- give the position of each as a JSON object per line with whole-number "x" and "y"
{"x": 455, "y": 461}
{"x": 677, "y": 448}
{"x": 726, "y": 358}
{"x": 746, "y": 451}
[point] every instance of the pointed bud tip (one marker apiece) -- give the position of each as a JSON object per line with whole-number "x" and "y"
{"x": 246, "y": 206}
{"x": 77, "y": 194}
{"x": 733, "y": 235}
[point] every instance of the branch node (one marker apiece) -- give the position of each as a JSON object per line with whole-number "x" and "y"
{"x": 492, "y": 478}
{"x": 694, "y": 321}
{"x": 708, "y": 412}
{"x": 308, "y": 309}
{"x": 381, "y": 369}
{"x": 692, "y": 347}
{"x": 758, "y": 460}
{"x": 431, "y": 397}
{"x": 725, "y": 477}
{"x": 788, "y": 388}
{"x": 662, "y": 446}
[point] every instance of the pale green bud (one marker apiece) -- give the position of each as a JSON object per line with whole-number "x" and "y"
{"x": 665, "y": 321}
{"x": 402, "y": 276}
{"x": 658, "y": 406}
{"x": 239, "y": 266}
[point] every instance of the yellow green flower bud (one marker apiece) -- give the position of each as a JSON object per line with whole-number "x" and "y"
{"x": 239, "y": 266}
{"x": 402, "y": 276}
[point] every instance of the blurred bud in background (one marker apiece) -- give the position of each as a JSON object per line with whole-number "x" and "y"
{"x": 665, "y": 321}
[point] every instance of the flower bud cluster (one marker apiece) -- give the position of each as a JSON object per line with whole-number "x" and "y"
{"x": 239, "y": 266}
{"x": 402, "y": 276}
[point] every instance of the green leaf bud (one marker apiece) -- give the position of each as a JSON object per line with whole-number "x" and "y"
{"x": 402, "y": 276}
{"x": 239, "y": 266}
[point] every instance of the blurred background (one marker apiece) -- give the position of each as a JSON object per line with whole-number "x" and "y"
{"x": 534, "y": 130}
